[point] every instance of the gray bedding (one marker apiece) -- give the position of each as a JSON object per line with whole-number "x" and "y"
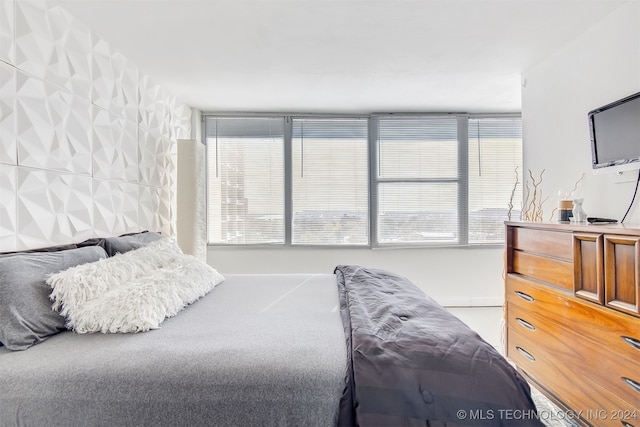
{"x": 257, "y": 350}
{"x": 412, "y": 363}
{"x": 363, "y": 347}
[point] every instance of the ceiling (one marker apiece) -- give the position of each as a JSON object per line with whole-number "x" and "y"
{"x": 340, "y": 55}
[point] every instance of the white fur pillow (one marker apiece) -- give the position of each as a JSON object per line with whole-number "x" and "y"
{"x": 131, "y": 292}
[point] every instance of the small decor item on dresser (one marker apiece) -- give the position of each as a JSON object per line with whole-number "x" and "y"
{"x": 600, "y": 220}
{"x": 579, "y": 215}
{"x": 566, "y": 205}
{"x": 565, "y": 210}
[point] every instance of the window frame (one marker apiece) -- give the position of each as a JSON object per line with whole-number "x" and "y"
{"x": 373, "y": 178}
{"x": 289, "y": 172}
{"x": 208, "y": 169}
{"x": 462, "y": 179}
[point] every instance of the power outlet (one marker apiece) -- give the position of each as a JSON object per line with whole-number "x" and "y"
{"x": 624, "y": 176}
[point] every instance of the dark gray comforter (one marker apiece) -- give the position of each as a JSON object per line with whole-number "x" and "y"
{"x": 413, "y": 363}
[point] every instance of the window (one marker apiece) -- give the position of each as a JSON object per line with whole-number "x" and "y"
{"x": 330, "y": 181}
{"x": 245, "y": 187}
{"x": 446, "y": 179}
{"x": 417, "y": 180}
{"x": 379, "y": 180}
{"x": 495, "y": 153}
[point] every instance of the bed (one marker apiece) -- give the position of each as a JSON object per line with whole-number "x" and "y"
{"x": 356, "y": 346}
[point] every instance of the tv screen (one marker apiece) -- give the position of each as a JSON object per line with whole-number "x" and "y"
{"x": 615, "y": 135}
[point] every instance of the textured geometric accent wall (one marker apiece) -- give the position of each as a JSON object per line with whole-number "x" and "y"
{"x": 8, "y": 226}
{"x": 7, "y": 38}
{"x": 87, "y": 142}
{"x": 8, "y": 153}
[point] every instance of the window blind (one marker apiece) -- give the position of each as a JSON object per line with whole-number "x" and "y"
{"x": 330, "y": 172}
{"x": 495, "y": 153}
{"x": 379, "y": 180}
{"x": 417, "y": 179}
{"x": 245, "y": 164}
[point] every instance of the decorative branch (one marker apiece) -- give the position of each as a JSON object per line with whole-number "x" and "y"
{"x": 540, "y": 204}
{"x": 513, "y": 192}
{"x": 532, "y": 206}
{"x": 533, "y": 202}
{"x": 523, "y": 213}
{"x": 575, "y": 187}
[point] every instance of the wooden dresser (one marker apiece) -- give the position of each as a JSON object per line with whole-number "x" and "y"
{"x": 572, "y": 297}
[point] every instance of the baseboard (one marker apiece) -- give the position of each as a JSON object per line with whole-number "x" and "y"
{"x": 471, "y": 302}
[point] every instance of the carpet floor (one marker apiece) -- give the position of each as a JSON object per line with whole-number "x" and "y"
{"x": 550, "y": 414}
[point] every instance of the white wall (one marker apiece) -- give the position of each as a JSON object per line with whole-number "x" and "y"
{"x": 87, "y": 141}
{"x": 454, "y": 277}
{"x": 600, "y": 66}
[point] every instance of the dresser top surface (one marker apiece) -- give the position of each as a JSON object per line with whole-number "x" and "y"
{"x": 615, "y": 228}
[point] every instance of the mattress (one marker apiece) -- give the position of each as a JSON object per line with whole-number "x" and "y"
{"x": 257, "y": 350}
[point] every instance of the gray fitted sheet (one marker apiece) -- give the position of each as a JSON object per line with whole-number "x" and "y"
{"x": 257, "y": 350}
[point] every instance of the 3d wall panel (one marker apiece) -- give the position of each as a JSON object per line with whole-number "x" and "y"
{"x": 87, "y": 142}
{"x": 53, "y": 127}
{"x": 53, "y": 205}
{"x": 115, "y": 82}
{"x": 50, "y": 45}
{"x": 115, "y": 207}
{"x": 7, "y": 46}
{"x": 7, "y": 114}
{"x": 114, "y": 156}
{"x": 8, "y": 219}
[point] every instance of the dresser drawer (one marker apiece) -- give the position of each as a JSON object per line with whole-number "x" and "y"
{"x": 556, "y": 244}
{"x": 533, "y": 326}
{"x": 599, "y": 363}
{"x": 559, "y": 378}
{"x": 616, "y": 332}
{"x": 554, "y": 271}
{"x": 622, "y": 273}
{"x": 535, "y": 296}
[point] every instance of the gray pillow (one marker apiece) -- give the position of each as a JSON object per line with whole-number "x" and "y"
{"x": 123, "y": 244}
{"x": 26, "y": 317}
{"x": 46, "y": 249}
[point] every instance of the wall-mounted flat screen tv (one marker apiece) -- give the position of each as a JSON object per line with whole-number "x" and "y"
{"x": 615, "y": 135}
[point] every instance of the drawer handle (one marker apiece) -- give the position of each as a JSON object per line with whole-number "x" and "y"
{"x": 633, "y": 384}
{"x": 632, "y": 342}
{"x": 525, "y": 324}
{"x": 526, "y": 354}
{"x": 525, "y": 296}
